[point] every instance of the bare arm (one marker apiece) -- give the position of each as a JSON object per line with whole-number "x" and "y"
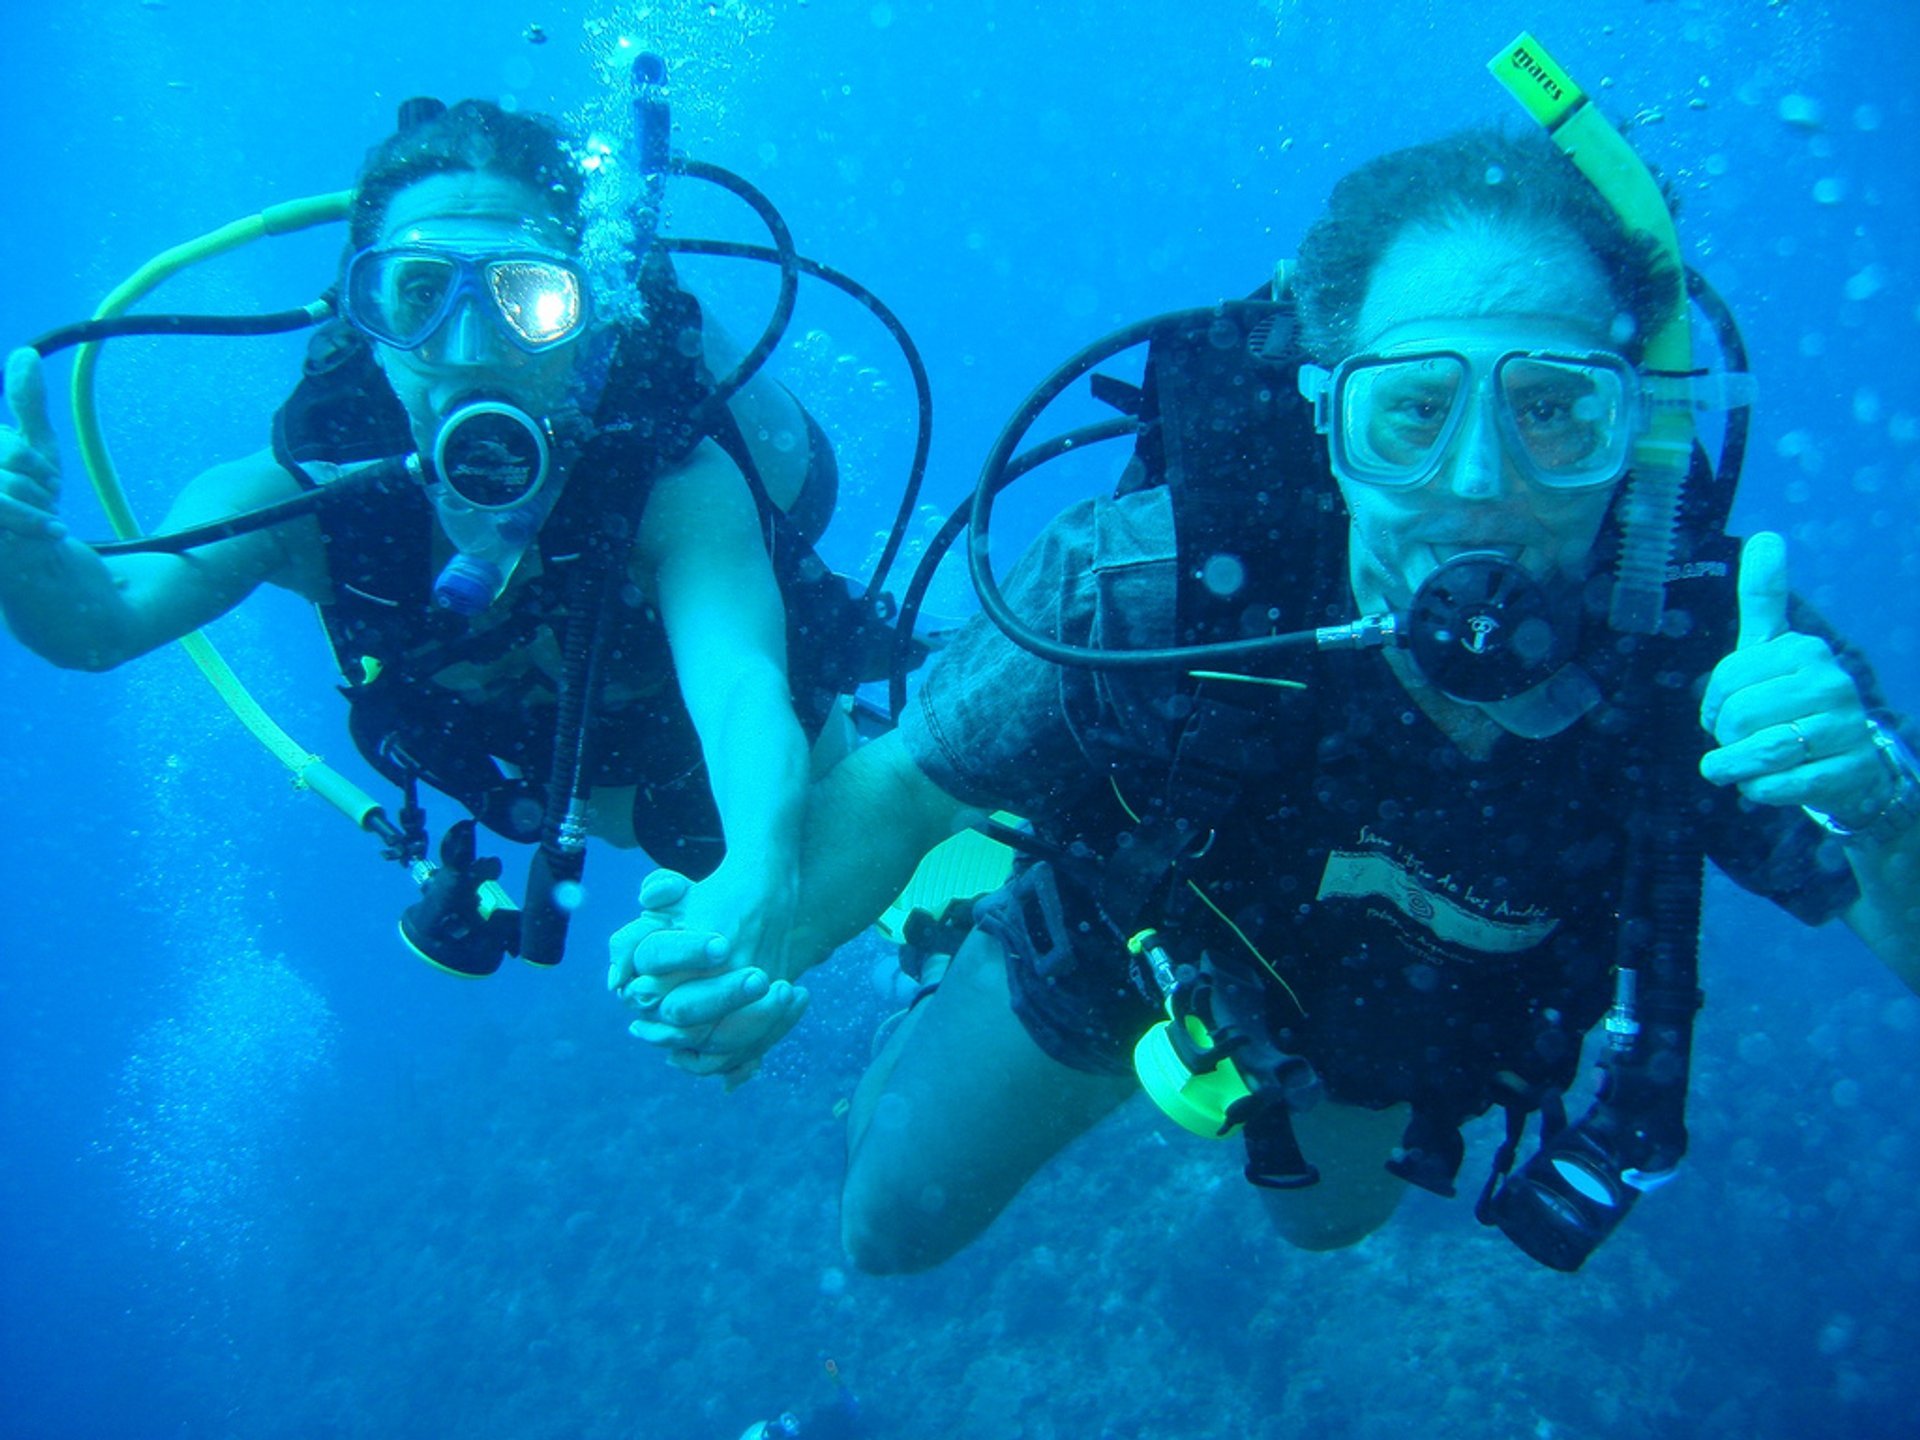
{"x": 1887, "y": 914}
{"x": 86, "y": 612}
{"x": 869, "y": 822}
{"x": 700, "y": 544}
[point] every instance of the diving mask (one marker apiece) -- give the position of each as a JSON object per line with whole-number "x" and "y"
{"x": 404, "y": 295}
{"x": 1567, "y": 421}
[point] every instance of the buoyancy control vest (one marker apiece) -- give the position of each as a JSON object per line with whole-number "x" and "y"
{"x": 459, "y": 703}
{"x": 1222, "y": 800}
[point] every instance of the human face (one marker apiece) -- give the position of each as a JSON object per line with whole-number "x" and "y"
{"x": 475, "y": 213}
{"x": 1476, "y": 288}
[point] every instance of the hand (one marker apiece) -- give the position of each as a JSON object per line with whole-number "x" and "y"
{"x": 29, "y": 456}
{"x": 699, "y": 993}
{"x": 1790, "y": 722}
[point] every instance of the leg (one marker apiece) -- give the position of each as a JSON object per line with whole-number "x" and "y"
{"x": 1356, "y": 1195}
{"x": 955, "y": 1114}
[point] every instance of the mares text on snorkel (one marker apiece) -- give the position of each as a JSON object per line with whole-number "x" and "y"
{"x": 1521, "y": 60}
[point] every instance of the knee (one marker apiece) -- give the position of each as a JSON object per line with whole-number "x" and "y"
{"x": 897, "y": 1225}
{"x": 1333, "y": 1215}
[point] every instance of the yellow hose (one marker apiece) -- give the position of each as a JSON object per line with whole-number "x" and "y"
{"x": 309, "y": 771}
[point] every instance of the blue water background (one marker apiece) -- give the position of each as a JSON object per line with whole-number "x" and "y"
{"x": 263, "y": 1174}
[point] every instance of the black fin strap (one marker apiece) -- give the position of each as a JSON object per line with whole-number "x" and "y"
{"x": 1274, "y": 1161}
{"x": 1510, "y": 1147}
{"x": 1431, "y": 1149}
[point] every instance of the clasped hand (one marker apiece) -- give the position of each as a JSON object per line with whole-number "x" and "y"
{"x": 701, "y": 969}
{"x": 1790, "y": 722}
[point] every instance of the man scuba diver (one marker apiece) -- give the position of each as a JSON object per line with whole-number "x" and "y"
{"x": 1332, "y": 886}
{"x": 557, "y": 558}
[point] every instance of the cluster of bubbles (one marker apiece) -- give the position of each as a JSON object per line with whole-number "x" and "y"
{"x": 205, "y": 1094}
{"x": 208, "y": 1090}
{"x": 710, "y": 47}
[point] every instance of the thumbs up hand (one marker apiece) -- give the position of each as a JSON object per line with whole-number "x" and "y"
{"x": 29, "y": 456}
{"x": 1791, "y": 725}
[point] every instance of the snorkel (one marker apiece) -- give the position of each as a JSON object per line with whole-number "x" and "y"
{"x": 1663, "y": 453}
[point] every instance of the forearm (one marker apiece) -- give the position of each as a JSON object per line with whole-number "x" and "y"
{"x": 757, "y": 766}
{"x": 868, "y": 824}
{"x": 64, "y": 603}
{"x": 1887, "y": 914}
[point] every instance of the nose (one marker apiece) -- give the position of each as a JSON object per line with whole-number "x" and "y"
{"x": 467, "y": 339}
{"x": 1477, "y": 468}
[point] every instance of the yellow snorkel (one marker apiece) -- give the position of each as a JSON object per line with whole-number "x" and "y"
{"x": 1662, "y": 456}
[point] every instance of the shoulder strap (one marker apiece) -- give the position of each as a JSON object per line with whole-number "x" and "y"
{"x": 342, "y": 410}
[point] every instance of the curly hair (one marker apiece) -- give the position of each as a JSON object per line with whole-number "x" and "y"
{"x": 1486, "y": 173}
{"x": 474, "y": 135}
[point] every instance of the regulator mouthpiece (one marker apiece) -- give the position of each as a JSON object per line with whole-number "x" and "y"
{"x": 491, "y": 454}
{"x": 490, "y": 486}
{"x": 1484, "y": 630}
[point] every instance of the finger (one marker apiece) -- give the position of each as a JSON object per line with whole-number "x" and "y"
{"x": 624, "y": 941}
{"x": 677, "y": 954}
{"x": 27, "y": 398}
{"x": 663, "y": 889}
{"x": 1792, "y": 699}
{"x": 1776, "y": 749}
{"x": 19, "y": 518}
{"x": 1843, "y": 786}
{"x": 1763, "y": 589}
{"x": 1793, "y": 677}
{"x": 18, "y": 456}
{"x": 709, "y": 1001}
{"x": 737, "y": 1044}
{"x": 758, "y": 1028}
{"x": 735, "y": 1058}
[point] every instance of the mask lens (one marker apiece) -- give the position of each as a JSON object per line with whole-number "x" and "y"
{"x": 399, "y": 297}
{"x": 542, "y": 303}
{"x": 1570, "y": 419}
{"x": 1394, "y": 417}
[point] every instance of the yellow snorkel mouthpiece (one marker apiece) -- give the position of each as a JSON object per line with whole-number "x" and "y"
{"x": 1663, "y": 454}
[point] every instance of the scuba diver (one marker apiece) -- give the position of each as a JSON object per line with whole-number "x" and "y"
{"x": 840, "y": 1418}
{"x": 560, "y": 538}
{"x": 1337, "y": 886}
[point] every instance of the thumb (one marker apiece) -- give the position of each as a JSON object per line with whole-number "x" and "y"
{"x": 1763, "y": 589}
{"x": 663, "y": 889}
{"x": 27, "y": 398}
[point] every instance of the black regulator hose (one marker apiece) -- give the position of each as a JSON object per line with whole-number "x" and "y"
{"x": 915, "y": 595}
{"x": 916, "y": 366}
{"x": 993, "y": 478}
{"x": 561, "y": 858}
{"x": 87, "y": 332}
{"x": 787, "y": 258}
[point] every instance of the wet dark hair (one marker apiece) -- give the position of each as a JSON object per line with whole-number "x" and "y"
{"x": 1521, "y": 180}
{"x": 474, "y": 135}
